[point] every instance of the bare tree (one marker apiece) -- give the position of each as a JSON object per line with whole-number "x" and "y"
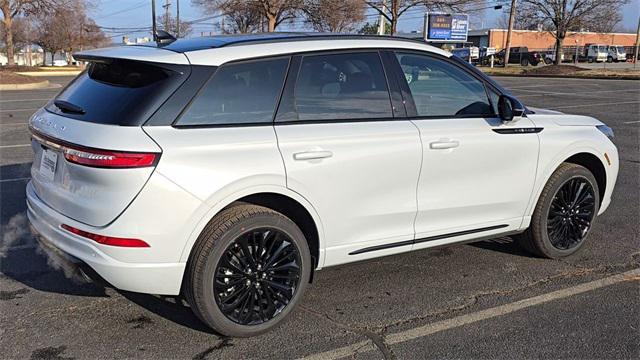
{"x": 275, "y": 12}
{"x": 561, "y": 16}
{"x": 393, "y": 9}
{"x": 243, "y": 16}
{"x": 333, "y": 15}
{"x": 21, "y": 29}
{"x": 372, "y": 28}
{"x": 68, "y": 28}
{"x": 170, "y": 24}
{"x": 14, "y": 8}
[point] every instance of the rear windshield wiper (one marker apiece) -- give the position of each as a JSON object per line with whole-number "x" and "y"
{"x": 68, "y": 107}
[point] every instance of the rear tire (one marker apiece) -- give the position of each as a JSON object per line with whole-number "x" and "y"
{"x": 564, "y": 214}
{"x": 247, "y": 271}
{"x": 524, "y": 62}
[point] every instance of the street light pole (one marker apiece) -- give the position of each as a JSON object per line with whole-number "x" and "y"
{"x": 178, "y": 19}
{"x": 635, "y": 52}
{"x": 507, "y": 47}
{"x": 381, "y": 20}
{"x": 153, "y": 19}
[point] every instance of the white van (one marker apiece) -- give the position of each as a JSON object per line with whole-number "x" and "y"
{"x": 597, "y": 53}
{"x": 616, "y": 53}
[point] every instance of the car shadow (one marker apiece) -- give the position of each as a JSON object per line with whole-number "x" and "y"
{"x": 172, "y": 308}
{"x": 506, "y": 245}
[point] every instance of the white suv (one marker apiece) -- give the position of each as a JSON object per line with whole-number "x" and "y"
{"x": 231, "y": 168}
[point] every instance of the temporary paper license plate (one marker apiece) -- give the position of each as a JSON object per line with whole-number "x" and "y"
{"x": 48, "y": 164}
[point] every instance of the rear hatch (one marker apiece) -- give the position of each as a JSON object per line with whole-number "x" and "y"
{"x": 92, "y": 156}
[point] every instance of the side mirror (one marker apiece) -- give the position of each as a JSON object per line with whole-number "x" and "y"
{"x": 509, "y": 108}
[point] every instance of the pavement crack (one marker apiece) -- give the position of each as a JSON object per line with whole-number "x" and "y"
{"x": 12, "y": 295}
{"x": 475, "y": 298}
{"x": 376, "y": 338}
{"x": 223, "y": 343}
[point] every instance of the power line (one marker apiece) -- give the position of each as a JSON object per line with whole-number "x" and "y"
{"x": 137, "y": 6}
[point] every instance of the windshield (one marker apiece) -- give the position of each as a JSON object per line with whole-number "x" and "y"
{"x": 620, "y": 49}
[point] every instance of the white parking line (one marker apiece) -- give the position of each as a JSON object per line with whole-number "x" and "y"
{"x": 14, "y": 146}
{"x": 429, "y": 329}
{"x": 20, "y": 100}
{"x": 9, "y": 124}
{"x": 15, "y": 179}
{"x": 597, "y": 104}
{"x": 631, "y": 122}
{"x": 9, "y": 110}
{"x": 572, "y": 93}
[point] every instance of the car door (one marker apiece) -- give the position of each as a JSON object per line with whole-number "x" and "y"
{"x": 477, "y": 173}
{"x": 347, "y": 155}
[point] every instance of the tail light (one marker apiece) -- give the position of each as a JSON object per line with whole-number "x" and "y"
{"x": 97, "y": 157}
{"x": 106, "y": 240}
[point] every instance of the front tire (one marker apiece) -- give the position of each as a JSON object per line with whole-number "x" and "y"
{"x": 248, "y": 270}
{"x": 564, "y": 214}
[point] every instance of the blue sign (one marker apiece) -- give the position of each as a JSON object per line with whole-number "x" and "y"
{"x": 447, "y": 27}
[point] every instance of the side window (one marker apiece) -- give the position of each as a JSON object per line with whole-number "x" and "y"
{"x": 441, "y": 89}
{"x": 238, "y": 93}
{"x": 342, "y": 86}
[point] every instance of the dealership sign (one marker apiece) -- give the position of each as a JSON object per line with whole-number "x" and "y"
{"x": 447, "y": 27}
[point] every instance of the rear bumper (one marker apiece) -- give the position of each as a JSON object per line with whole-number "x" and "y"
{"x": 151, "y": 278}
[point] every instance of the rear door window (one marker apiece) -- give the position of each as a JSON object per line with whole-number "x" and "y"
{"x": 342, "y": 87}
{"x": 240, "y": 93}
{"x": 119, "y": 92}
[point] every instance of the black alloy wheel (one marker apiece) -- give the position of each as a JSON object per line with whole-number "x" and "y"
{"x": 564, "y": 214}
{"x": 257, "y": 276}
{"x": 571, "y": 213}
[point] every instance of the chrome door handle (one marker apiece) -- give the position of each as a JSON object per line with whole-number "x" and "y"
{"x": 444, "y": 144}
{"x": 312, "y": 155}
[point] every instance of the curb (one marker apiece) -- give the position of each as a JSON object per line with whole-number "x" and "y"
{"x": 556, "y": 76}
{"x": 31, "y": 86}
{"x": 50, "y": 73}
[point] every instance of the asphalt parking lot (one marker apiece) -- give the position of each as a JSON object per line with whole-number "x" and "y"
{"x": 484, "y": 300}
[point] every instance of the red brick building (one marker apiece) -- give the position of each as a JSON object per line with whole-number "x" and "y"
{"x": 544, "y": 40}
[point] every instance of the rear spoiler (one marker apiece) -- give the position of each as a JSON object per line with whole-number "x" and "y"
{"x": 133, "y": 52}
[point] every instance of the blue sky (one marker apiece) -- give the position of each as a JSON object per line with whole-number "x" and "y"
{"x": 137, "y": 13}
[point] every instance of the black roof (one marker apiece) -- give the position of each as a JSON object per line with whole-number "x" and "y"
{"x": 211, "y": 42}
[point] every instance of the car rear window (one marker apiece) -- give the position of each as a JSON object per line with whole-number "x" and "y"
{"x": 119, "y": 92}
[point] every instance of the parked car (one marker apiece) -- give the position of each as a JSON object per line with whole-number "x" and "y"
{"x": 231, "y": 168}
{"x": 550, "y": 56}
{"x": 59, "y": 63}
{"x": 616, "y": 53}
{"x": 594, "y": 53}
{"x": 468, "y": 54}
{"x": 520, "y": 55}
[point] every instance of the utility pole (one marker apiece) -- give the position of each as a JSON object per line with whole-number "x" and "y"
{"x": 177, "y": 18}
{"x": 153, "y": 19}
{"x": 507, "y": 48}
{"x": 635, "y": 52}
{"x": 166, "y": 15}
{"x": 424, "y": 26}
{"x": 382, "y": 19}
